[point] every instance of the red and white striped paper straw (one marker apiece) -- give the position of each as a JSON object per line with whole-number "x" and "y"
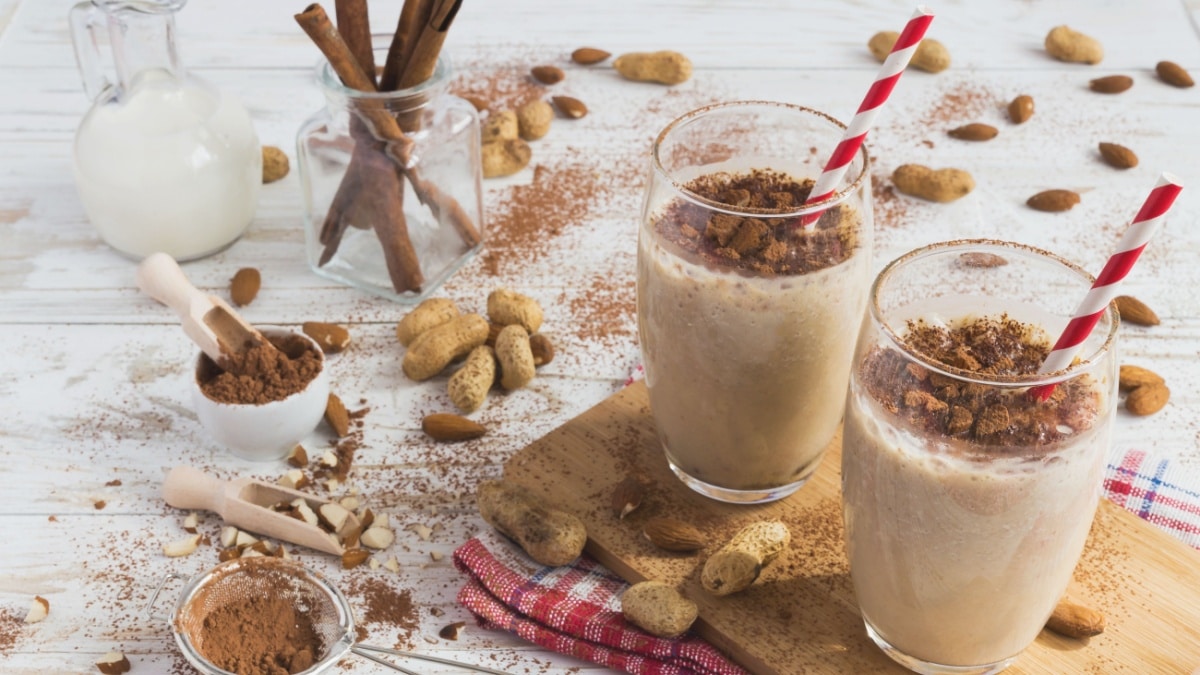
{"x": 889, "y": 73}
{"x": 1087, "y": 314}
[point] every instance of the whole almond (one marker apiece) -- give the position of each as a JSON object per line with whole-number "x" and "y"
{"x": 354, "y": 557}
{"x": 1118, "y": 156}
{"x": 569, "y": 107}
{"x": 337, "y": 416}
{"x": 1020, "y": 109}
{"x": 674, "y": 535}
{"x": 1132, "y": 377}
{"x": 1075, "y": 621}
{"x": 1113, "y": 84}
{"x": 547, "y": 74}
{"x": 450, "y": 428}
{"x": 244, "y": 285}
{"x": 974, "y": 132}
{"x": 1053, "y": 200}
{"x": 981, "y": 259}
{"x": 1173, "y": 74}
{"x": 1147, "y": 399}
{"x": 476, "y": 102}
{"x": 1135, "y": 311}
{"x": 586, "y": 56}
{"x": 627, "y": 496}
{"x": 331, "y": 337}
{"x": 542, "y": 348}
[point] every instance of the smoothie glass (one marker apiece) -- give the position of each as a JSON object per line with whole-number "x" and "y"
{"x": 747, "y": 355}
{"x": 965, "y": 521}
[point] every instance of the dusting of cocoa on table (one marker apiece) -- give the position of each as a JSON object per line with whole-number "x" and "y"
{"x": 997, "y": 347}
{"x": 261, "y": 635}
{"x": 382, "y": 604}
{"x": 757, "y": 241}
{"x": 10, "y": 628}
{"x": 263, "y": 374}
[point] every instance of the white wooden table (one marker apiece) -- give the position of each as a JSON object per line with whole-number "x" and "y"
{"x": 93, "y": 374}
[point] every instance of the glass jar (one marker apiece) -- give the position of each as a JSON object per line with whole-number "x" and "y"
{"x": 391, "y": 217}
{"x": 747, "y": 317}
{"x": 967, "y": 500}
{"x": 163, "y": 161}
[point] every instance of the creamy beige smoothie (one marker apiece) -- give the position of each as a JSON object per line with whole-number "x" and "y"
{"x": 747, "y": 352}
{"x": 966, "y": 506}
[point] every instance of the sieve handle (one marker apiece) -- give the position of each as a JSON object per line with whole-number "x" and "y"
{"x": 189, "y": 488}
{"x": 171, "y": 576}
{"x": 363, "y": 651}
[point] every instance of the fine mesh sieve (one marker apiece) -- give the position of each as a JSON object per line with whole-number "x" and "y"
{"x": 311, "y": 593}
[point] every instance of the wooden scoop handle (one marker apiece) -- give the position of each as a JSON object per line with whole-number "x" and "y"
{"x": 159, "y": 277}
{"x": 194, "y": 490}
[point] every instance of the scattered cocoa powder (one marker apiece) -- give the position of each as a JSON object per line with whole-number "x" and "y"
{"x": 266, "y": 374}
{"x": 10, "y": 629}
{"x": 382, "y": 604}
{"x": 261, "y": 634}
{"x": 999, "y": 348}
{"x": 756, "y": 241}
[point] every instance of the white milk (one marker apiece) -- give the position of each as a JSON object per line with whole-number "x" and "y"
{"x": 172, "y": 166}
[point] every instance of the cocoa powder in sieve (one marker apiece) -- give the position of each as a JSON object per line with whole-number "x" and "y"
{"x": 261, "y": 635}
{"x": 263, "y": 375}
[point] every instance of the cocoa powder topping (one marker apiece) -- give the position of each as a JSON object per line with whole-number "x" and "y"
{"x": 997, "y": 348}
{"x": 754, "y": 240}
{"x": 262, "y": 375}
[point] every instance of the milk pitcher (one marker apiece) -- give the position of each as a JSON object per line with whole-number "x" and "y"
{"x": 163, "y": 161}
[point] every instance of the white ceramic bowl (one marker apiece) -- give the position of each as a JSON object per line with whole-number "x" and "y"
{"x": 264, "y": 431}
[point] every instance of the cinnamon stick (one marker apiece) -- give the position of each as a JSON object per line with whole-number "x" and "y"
{"x": 424, "y": 55}
{"x": 385, "y": 199}
{"x": 316, "y": 24}
{"x": 403, "y": 40}
{"x": 355, "y": 26}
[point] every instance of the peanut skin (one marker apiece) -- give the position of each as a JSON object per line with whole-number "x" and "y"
{"x": 931, "y": 55}
{"x": 504, "y": 158}
{"x": 549, "y": 536}
{"x": 515, "y": 356}
{"x": 1072, "y": 46}
{"x": 665, "y": 67}
{"x": 507, "y": 307}
{"x": 658, "y": 609}
{"x": 434, "y": 349}
{"x": 943, "y": 185}
{"x": 469, "y": 385}
{"x": 738, "y": 563}
{"x": 429, "y": 314}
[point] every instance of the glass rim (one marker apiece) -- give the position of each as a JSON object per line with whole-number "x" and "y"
{"x": 825, "y": 204}
{"x": 332, "y": 83}
{"x": 1082, "y": 364}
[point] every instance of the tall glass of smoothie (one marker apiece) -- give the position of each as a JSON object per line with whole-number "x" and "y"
{"x": 747, "y": 316}
{"x": 967, "y": 498}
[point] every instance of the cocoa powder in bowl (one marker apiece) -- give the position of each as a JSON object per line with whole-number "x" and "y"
{"x": 262, "y": 375}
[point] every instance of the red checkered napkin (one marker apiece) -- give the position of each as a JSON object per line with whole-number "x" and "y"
{"x": 574, "y": 609}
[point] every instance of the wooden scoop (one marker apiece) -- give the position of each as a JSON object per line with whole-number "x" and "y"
{"x": 208, "y": 320}
{"x": 247, "y": 503}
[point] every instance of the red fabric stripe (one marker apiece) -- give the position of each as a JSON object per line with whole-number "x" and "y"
{"x": 879, "y": 92}
{"x": 914, "y": 30}
{"x": 1117, "y": 267}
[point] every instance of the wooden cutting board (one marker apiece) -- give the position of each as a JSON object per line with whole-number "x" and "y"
{"x": 800, "y": 616}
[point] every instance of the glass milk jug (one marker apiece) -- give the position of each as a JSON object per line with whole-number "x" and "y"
{"x": 163, "y": 161}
